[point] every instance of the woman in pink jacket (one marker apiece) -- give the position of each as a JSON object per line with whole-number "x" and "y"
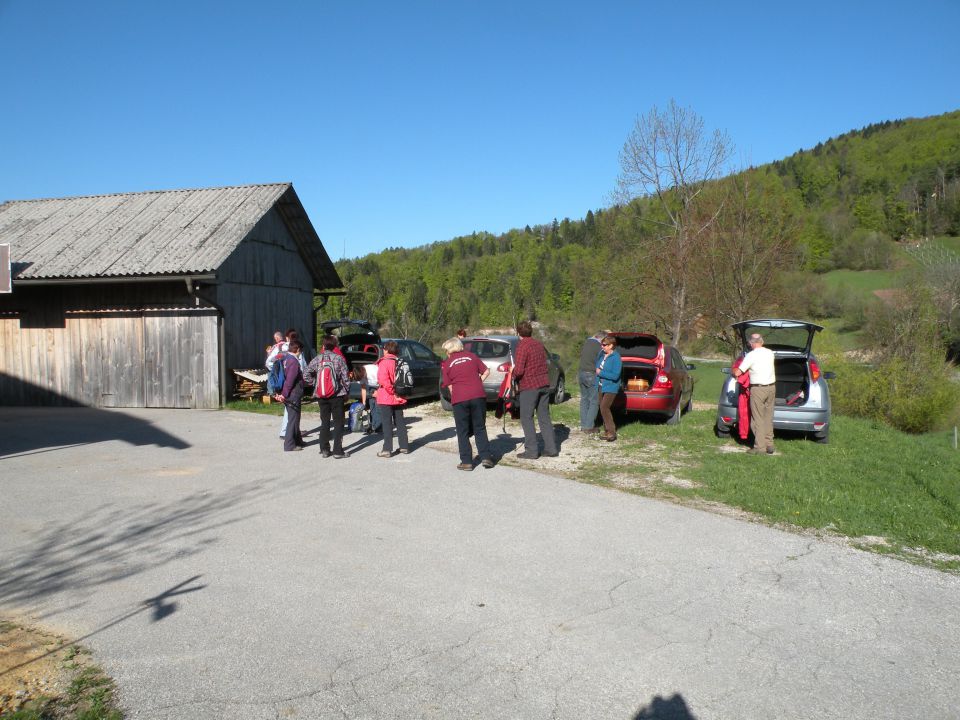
{"x": 390, "y": 404}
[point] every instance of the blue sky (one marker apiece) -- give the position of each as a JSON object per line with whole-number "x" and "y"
{"x": 404, "y": 123}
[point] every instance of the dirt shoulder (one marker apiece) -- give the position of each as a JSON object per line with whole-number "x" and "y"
{"x": 45, "y": 675}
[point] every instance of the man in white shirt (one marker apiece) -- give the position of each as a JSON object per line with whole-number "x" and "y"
{"x": 763, "y": 393}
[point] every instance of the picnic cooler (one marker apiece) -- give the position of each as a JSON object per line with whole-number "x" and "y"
{"x": 638, "y": 377}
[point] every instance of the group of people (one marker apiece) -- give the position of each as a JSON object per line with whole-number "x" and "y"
{"x": 463, "y": 373}
{"x": 386, "y": 404}
{"x": 600, "y": 377}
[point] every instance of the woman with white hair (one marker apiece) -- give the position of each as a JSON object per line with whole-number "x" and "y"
{"x": 464, "y": 373}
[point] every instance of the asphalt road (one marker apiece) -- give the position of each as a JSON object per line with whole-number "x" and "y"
{"x": 214, "y": 576}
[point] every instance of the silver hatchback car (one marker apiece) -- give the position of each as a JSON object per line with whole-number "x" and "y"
{"x": 803, "y": 398}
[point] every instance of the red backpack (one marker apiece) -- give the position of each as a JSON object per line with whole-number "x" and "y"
{"x": 328, "y": 379}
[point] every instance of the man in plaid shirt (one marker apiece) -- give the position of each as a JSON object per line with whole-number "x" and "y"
{"x": 530, "y": 371}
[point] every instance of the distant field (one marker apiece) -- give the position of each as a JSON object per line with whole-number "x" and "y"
{"x": 864, "y": 280}
{"x": 708, "y": 381}
{"x": 834, "y": 333}
{"x": 949, "y": 243}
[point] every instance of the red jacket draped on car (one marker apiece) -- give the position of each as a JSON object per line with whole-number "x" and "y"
{"x": 743, "y": 402}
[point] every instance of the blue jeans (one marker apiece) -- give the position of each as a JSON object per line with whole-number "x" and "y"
{"x": 589, "y": 400}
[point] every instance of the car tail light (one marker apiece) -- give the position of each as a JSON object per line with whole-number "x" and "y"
{"x": 818, "y": 425}
{"x": 727, "y": 419}
{"x": 503, "y": 367}
{"x": 814, "y": 371}
{"x": 663, "y": 382}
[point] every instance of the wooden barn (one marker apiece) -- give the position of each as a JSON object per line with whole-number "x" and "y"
{"x": 150, "y": 299}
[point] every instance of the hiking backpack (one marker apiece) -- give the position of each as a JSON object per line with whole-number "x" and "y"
{"x": 403, "y": 378}
{"x": 328, "y": 379}
{"x": 276, "y": 377}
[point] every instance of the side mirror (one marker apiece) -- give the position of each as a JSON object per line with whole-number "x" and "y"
{"x": 829, "y": 375}
{"x": 725, "y": 371}
{"x": 691, "y": 367}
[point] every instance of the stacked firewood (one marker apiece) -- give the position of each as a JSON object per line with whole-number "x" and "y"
{"x": 249, "y": 383}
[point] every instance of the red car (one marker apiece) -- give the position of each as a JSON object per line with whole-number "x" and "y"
{"x": 656, "y": 379}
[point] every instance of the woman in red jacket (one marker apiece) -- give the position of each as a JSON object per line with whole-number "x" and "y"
{"x": 390, "y": 404}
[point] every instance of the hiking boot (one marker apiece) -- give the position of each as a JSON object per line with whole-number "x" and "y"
{"x": 551, "y": 454}
{"x": 325, "y": 453}
{"x": 770, "y": 450}
{"x": 526, "y": 456}
{"x": 384, "y": 454}
{"x": 756, "y": 451}
{"x": 465, "y": 466}
{"x": 404, "y": 451}
{"x": 488, "y": 463}
{"x": 340, "y": 455}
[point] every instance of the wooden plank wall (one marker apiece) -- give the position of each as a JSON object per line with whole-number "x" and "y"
{"x": 264, "y": 286}
{"x": 150, "y": 358}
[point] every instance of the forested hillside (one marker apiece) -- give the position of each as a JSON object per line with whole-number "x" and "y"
{"x": 843, "y": 204}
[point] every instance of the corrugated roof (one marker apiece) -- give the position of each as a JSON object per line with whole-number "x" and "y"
{"x": 169, "y": 232}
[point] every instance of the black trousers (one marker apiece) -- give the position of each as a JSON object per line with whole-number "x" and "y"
{"x": 331, "y": 413}
{"x": 471, "y": 415}
{"x": 293, "y": 438}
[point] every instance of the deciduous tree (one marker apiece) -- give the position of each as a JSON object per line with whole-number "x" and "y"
{"x": 671, "y": 157}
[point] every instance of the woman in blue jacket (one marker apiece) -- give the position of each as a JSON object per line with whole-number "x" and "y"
{"x": 609, "y": 369}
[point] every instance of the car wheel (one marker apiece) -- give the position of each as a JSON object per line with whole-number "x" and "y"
{"x": 689, "y": 406}
{"x": 560, "y": 394}
{"x": 823, "y": 438}
{"x": 675, "y": 418}
{"x": 720, "y": 433}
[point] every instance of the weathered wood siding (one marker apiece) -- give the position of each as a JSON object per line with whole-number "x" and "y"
{"x": 108, "y": 345}
{"x": 263, "y": 286}
{"x": 149, "y": 358}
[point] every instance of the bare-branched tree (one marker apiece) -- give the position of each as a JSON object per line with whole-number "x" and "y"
{"x": 671, "y": 157}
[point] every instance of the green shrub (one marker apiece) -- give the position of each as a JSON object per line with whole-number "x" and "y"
{"x": 863, "y": 250}
{"x": 915, "y": 396}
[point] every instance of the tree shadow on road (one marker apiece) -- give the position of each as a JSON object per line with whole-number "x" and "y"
{"x": 110, "y": 543}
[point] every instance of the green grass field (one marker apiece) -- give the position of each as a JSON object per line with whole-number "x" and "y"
{"x": 865, "y": 281}
{"x": 949, "y": 243}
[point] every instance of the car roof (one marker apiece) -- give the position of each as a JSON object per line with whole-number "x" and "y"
{"x": 501, "y": 338}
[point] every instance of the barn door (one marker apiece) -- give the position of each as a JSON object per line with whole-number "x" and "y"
{"x": 121, "y": 369}
{"x": 180, "y": 368}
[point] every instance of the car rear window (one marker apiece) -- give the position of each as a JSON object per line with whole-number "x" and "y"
{"x": 487, "y": 349}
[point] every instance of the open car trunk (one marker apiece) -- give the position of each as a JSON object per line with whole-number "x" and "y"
{"x": 638, "y": 377}
{"x": 793, "y": 381}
